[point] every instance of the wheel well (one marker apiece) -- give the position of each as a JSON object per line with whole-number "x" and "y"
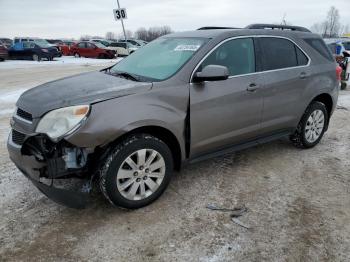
{"x": 161, "y": 133}
{"x": 326, "y": 99}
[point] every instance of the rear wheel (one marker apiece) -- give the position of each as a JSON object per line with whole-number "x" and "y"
{"x": 312, "y": 126}
{"x": 136, "y": 172}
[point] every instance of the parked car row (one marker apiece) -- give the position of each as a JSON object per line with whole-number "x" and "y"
{"x": 34, "y": 48}
{"x": 340, "y": 48}
{"x": 93, "y": 50}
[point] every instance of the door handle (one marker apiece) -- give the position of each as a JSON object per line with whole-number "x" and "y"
{"x": 252, "y": 87}
{"x": 303, "y": 75}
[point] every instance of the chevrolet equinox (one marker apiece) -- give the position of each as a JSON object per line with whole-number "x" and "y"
{"x": 182, "y": 98}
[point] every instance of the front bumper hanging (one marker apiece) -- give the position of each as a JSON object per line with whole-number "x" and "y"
{"x": 62, "y": 177}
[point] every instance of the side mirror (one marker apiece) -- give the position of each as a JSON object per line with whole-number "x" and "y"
{"x": 212, "y": 73}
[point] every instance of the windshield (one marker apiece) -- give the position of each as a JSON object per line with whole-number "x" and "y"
{"x": 99, "y": 45}
{"x": 160, "y": 59}
{"x": 42, "y": 43}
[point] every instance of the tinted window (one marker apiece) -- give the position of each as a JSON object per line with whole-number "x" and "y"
{"x": 346, "y": 45}
{"x": 332, "y": 48}
{"x": 89, "y": 45}
{"x": 237, "y": 55}
{"x": 301, "y": 57}
{"x": 81, "y": 45}
{"x": 277, "y": 53}
{"x": 116, "y": 45}
{"x": 320, "y": 47}
{"x": 28, "y": 45}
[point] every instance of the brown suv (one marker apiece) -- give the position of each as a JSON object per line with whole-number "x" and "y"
{"x": 181, "y": 98}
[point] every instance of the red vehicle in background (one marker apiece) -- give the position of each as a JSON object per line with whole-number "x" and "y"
{"x": 92, "y": 50}
{"x": 3, "y": 52}
{"x": 65, "y": 47}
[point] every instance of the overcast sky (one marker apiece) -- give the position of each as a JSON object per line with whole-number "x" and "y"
{"x": 73, "y": 18}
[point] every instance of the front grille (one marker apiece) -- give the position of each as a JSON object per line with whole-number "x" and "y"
{"x": 17, "y": 137}
{"x": 25, "y": 115}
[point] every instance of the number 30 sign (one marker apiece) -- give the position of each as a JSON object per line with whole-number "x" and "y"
{"x": 119, "y": 14}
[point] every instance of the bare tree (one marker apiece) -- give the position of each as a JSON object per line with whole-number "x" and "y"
{"x": 345, "y": 29}
{"x": 110, "y": 36}
{"x": 152, "y": 33}
{"x": 141, "y": 33}
{"x": 331, "y": 26}
{"x": 85, "y": 37}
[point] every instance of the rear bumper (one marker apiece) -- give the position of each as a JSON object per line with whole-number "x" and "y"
{"x": 32, "y": 168}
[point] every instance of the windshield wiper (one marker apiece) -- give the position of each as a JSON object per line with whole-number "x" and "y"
{"x": 125, "y": 75}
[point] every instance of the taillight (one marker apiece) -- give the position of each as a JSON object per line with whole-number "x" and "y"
{"x": 338, "y": 72}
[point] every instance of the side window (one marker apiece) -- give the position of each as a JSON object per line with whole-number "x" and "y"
{"x": 81, "y": 45}
{"x": 90, "y": 46}
{"x": 277, "y": 53}
{"x": 237, "y": 55}
{"x": 320, "y": 47}
{"x": 346, "y": 45}
{"x": 301, "y": 57}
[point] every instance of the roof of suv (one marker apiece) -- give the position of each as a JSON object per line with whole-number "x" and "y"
{"x": 255, "y": 29}
{"x": 212, "y": 33}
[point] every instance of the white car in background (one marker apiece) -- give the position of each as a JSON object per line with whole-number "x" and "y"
{"x": 123, "y": 48}
{"x": 137, "y": 42}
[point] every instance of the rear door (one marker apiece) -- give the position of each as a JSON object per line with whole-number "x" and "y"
{"x": 286, "y": 74}
{"x": 82, "y": 49}
{"x": 90, "y": 50}
{"x": 224, "y": 113}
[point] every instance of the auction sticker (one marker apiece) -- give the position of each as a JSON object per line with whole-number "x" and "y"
{"x": 191, "y": 48}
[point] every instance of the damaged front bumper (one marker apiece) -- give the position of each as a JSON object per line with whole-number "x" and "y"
{"x": 58, "y": 170}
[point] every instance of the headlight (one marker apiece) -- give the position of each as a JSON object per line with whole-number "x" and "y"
{"x": 62, "y": 121}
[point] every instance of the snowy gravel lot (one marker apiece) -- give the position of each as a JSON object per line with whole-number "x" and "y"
{"x": 298, "y": 200}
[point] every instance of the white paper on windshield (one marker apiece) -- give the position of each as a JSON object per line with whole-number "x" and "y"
{"x": 191, "y": 48}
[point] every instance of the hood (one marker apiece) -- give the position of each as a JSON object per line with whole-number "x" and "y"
{"x": 84, "y": 88}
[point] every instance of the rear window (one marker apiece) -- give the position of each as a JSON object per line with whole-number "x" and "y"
{"x": 320, "y": 47}
{"x": 278, "y": 53}
{"x": 332, "y": 48}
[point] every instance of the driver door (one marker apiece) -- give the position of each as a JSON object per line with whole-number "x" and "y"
{"x": 227, "y": 112}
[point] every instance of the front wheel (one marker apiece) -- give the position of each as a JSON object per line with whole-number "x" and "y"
{"x": 312, "y": 126}
{"x": 136, "y": 172}
{"x": 36, "y": 57}
{"x": 76, "y": 55}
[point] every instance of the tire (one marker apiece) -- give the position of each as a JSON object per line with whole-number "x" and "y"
{"x": 101, "y": 56}
{"x": 36, "y": 57}
{"x": 343, "y": 85}
{"x": 311, "y": 129}
{"x": 135, "y": 187}
{"x": 76, "y": 55}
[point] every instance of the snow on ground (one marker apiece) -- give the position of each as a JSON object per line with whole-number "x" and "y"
{"x": 58, "y": 61}
{"x": 344, "y": 99}
{"x": 12, "y": 96}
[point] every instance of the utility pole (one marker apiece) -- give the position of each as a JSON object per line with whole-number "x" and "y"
{"x": 122, "y": 22}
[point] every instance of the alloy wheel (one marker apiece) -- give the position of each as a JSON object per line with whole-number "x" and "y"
{"x": 314, "y": 126}
{"x": 141, "y": 174}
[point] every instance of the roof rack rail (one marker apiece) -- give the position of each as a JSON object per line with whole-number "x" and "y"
{"x": 216, "y": 27}
{"x": 281, "y": 27}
